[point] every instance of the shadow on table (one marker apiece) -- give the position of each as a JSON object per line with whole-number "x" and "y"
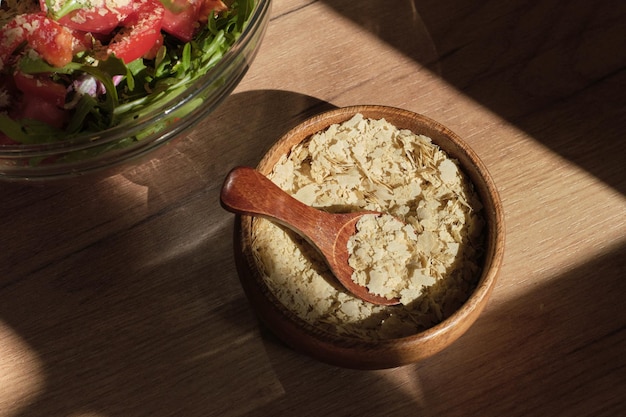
{"x": 555, "y": 70}
{"x": 144, "y": 315}
{"x": 123, "y": 295}
{"x": 554, "y": 352}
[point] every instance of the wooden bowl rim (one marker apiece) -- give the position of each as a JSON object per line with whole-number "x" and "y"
{"x": 353, "y": 352}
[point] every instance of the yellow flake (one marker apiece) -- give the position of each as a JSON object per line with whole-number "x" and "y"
{"x": 430, "y": 261}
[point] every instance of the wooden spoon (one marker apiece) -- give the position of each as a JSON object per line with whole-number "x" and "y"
{"x": 247, "y": 191}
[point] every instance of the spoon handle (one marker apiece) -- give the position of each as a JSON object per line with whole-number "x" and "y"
{"x": 247, "y": 191}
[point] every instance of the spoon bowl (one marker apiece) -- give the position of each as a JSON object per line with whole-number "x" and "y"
{"x": 247, "y": 191}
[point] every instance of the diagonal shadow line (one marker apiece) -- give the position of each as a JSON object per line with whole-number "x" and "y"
{"x": 121, "y": 337}
{"x": 556, "y": 352}
{"x": 556, "y": 71}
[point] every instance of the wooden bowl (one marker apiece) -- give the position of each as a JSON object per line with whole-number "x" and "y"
{"x": 359, "y": 353}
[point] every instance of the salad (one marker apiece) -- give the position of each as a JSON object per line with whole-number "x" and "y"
{"x": 70, "y": 67}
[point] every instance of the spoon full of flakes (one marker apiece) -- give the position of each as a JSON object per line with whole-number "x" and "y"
{"x": 246, "y": 191}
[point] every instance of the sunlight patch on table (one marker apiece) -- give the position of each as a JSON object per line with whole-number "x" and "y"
{"x": 549, "y": 240}
{"x": 407, "y": 381}
{"x": 21, "y": 376}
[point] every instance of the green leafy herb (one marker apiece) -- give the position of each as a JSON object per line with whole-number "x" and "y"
{"x": 28, "y": 131}
{"x": 59, "y": 8}
{"x": 135, "y": 89}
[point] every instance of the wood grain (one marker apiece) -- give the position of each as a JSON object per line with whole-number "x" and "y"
{"x": 120, "y": 296}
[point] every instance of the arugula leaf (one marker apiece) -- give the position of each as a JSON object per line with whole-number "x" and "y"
{"x": 86, "y": 105}
{"x": 28, "y": 131}
{"x": 59, "y": 8}
{"x": 104, "y": 72}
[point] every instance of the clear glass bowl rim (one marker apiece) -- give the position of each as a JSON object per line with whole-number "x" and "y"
{"x": 123, "y": 131}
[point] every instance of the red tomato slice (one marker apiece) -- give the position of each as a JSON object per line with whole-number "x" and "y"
{"x": 103, "y": 21}
{"x": 41, "y": 88}
{"x": 97, "y": 19}
{"x": 208, "y": 6}
{"x": 142, "y": 30}
{"x": 99, "y": 16}
{"x": 34, "y": 97}
{"x": 34, "y": 108}
{"x": 182, "y": 21}
{"x": 51, "y": 40}
{"x": 182, "y": 18}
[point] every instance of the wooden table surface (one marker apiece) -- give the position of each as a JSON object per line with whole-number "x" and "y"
{"x": 119, "y": 296}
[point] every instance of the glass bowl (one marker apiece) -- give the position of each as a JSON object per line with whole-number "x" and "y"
{"x": 126, "y": 144}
